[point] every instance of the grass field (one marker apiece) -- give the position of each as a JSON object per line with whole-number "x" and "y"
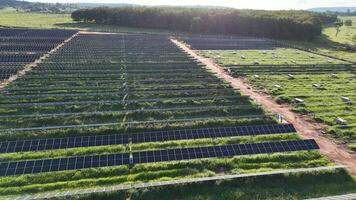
{"x": 330, "y": 44}
{"x": 9, "y": 17}
{"x": 324, "y": 104}
{"x": 346, "y": 35}
{"x": 312, "y": 82}
{"x": 279, "y": 56}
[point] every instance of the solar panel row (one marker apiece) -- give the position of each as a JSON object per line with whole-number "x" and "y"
{"x": 111, "y": 102}
{"x": 21, "y": 46}
{"x": 222, "y": 151}
{"x": 61, "y": 164}
{"x": 212, "y": 132}
{"x": 195, "y": 91}
{"x": 157, "y": 136}
{"x": 62, "y": 143}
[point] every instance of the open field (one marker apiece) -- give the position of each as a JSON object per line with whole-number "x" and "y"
{"x": 9, "y": 17}
{"x": 278, "y": 56}
{"x": 330, "y": 44}
{"x": 327, "y": 47}
{"x": 347, "y": 34}
{"x": 315, "y": 85}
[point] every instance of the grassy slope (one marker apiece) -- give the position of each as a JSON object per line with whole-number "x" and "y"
{"x": 9, "y": 17}
{"x": 347, "y": 34}
{"x": 325, "y": 108}
{"x": 329, "y": 44}
{"x": 279, "y": 56}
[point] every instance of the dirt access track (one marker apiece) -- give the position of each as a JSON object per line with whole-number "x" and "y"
{"x": 307, "y": 129}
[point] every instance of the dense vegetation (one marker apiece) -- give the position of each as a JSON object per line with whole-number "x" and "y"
{"x": 275, "y": 24}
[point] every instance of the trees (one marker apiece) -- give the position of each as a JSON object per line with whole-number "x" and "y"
{"x": 337, "y": 25}
{"x": 301, "y": 25}
{"x": 348, "y": 22}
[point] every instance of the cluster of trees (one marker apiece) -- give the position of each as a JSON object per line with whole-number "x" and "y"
{"x": 348, "y": 22}
{"x": 300, "y": 25}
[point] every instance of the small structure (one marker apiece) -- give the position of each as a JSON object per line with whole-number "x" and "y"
{"x": 345, "y": 99}
{"x": 316, "y": 86}
{"x": 299, "y": 101}
{"x": 278, "y": 86}
{"x": 243, "y": 57}
{"x": 290, "y": 76}
{"x": 329, "y": 61}
{"x": 333, "y": 75}
{"x": 256, "y": 76}
{"x": 340, "y": 121}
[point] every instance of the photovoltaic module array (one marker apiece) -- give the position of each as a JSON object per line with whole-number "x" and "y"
{"x": 158, "y": 136}
{"x": 22, "y": 46}
{"x": 60, "y": 164}
{"x": 135, "y": 92}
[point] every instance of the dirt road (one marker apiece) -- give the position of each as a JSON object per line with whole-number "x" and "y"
{"x": 307, "y": 129}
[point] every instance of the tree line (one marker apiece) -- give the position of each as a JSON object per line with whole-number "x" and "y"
{"x": 298, "y": 25}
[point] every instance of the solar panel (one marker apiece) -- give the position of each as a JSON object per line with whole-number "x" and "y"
{"x": 47, "y": 165}
{"x": 223, "y": 151}
{"x": 212, "y": 133}
{"x": 157, "y": 136}
{"x": 61, "y": 164}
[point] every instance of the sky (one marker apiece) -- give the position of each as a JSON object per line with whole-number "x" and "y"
{"x": 252, "y": 4}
